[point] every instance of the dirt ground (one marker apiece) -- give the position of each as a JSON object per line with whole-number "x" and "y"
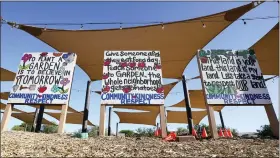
{"x": 22, "y": 144}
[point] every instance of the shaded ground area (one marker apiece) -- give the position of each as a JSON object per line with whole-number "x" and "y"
{"x": 51, "y": 145}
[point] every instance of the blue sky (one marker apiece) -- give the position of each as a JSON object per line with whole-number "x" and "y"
{"x": 238, "y": 36}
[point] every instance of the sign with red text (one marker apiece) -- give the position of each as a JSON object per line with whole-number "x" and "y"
{"x": 232, "y": 77}
{"x": 43, "y": 78}
{"x": 132, "y": 77}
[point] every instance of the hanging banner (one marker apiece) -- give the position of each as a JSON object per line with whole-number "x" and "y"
{"x": 232, "y": 77}
{"x": 132, "y": 77}
{"x": 43, "y": 78}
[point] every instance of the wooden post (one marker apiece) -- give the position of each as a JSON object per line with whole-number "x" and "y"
{"x": 35, "y": 120}
{"x": 222, "y": 119}
{"x": 109, "y": 121}
{"x": 40, "y": 118}
{"x": 188, "y": 108}
{"x": 117, "y": 129}
{"x": 6, "y": 117}
{"x": 210, "y": 111}
{"x": 86, "y": 108}
{"x": 102, "y": 120}
{"x": 62, "y": 119}
{"x": 162, "y": 121}
{"x": 274, "y": 123}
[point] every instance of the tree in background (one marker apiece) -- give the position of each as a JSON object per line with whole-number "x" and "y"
{"x": 146, "y": 132}
{"x": 265, "y": 131}
{"x": 93, "y": 132}
{"x": 22, "y": 127}
{"x": 50, "y": 128}
{"x": 182, "y": 130}
{"x": 128, "y": 133}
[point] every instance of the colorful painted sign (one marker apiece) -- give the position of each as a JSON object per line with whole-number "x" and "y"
{"x": 43, "y": 78}
{"x": 132, "y": 77}
{"x": 232, "y": 77}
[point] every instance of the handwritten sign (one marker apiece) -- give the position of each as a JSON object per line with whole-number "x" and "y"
{"x": 232, "y": 77}
{"x": 43, "y": 78}
{"x": 132, "y": 77}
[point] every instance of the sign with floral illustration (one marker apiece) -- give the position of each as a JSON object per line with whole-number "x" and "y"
{"x": 132, "y": 77}
{"x": 43, "y": 78}
{"x": 232, "y": 77}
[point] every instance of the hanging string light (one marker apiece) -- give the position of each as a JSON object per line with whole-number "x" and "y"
{"x": 244, "y": 21}
{"x": 203, "y": 25}
{"x": 3, "y": 21}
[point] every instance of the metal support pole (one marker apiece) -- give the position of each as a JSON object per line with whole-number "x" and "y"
{"x": 40, "y": 118}
{"x": 188, "y": 108}
{"x": 109, "y": 121}
{"x": 222, "y": 120}
{"x": 86, "y": 108}
{"x": 117, "y": 129}
{"x": 35, "y": 120}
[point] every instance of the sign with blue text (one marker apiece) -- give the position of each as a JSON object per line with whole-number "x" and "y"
{"x": 232, "y": 77}
{"x": 132, "y": 77}
{"x": 43, "y": 78}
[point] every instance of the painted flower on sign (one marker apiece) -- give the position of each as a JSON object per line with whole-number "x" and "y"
{"x": 43, "y": 54}
{"x": 107, "y": 62}
{"x": 42, "y": 89}
{"x": 55, "y": 88}
{"x": 106, "y": 89}
{"x": 69, "y": 57}
{"x": 105, "y": 76}
{"x": 25, "y": 58}
{"x": 64, "y": 81}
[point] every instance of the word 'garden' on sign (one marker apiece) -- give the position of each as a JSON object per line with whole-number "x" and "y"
{"x": 132, "y": 77}
{"x": 232, "y": 77}
{"x": 43, "y": 78}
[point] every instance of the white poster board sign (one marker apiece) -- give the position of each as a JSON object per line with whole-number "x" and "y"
{"x": 232, "y": 77}
{"x": 132, "y": 77}
{"x": 43, "y": 78}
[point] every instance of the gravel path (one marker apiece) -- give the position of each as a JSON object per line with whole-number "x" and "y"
{"x": 23, "y": 144}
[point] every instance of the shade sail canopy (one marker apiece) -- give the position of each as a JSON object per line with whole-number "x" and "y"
{"x": 146, "y": 118}
{"x": 3, "y": 107}
{"x": 167, "y": 88}
{"x": 4, "y": 95}
{"x": 181, "y": 116}
{"x": 54, "y": 107}
{"x": 139, "y": 107}
{"x": 29, "y": 117}
{"x": 177, "y": 43}
{"x": 71, "y": 118}
{"x": 7, "y": 75}
{"x": 197, "y": 101}
{"x": 267, "y": 52}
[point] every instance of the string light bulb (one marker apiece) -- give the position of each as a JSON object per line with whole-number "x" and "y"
{"x": 45, "y": 28}
{"x": 120, "y": 26}
{"x": 244, "y": 21}
{"x": 162, "y": 26}
{"x": 203, "y": 25}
